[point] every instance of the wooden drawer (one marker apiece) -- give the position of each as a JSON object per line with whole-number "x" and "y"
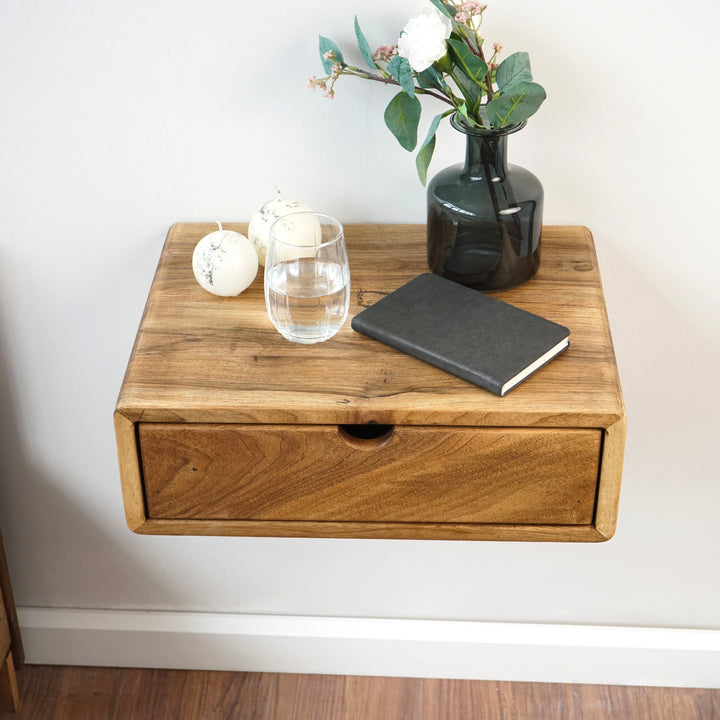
{"x": 409, "y": 474}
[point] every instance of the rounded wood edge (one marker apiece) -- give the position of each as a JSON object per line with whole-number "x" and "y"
{"x": 610, "y": 479}
{"x": 130, "y": 472}
{"x": 372, "y": 531}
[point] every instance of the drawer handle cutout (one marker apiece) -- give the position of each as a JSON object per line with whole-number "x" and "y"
{"x": 366, "y": 435}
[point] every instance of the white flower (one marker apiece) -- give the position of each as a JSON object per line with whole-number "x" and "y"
{"x": 422, "y": 41}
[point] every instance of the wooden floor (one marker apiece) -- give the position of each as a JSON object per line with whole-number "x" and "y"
{"x": 69, "y": 693}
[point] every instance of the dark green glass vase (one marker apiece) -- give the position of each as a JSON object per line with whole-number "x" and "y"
{"x": 485, "y": 216}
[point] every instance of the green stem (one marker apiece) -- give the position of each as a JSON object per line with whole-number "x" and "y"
{"x": 476, "y": 49}
{"x": 364, "y": 74}
{"x": 488, "y": 78}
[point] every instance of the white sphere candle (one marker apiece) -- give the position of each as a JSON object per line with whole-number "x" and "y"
{"x": 224, "y": 262}
{"x": 297, "y": 235}
{"x": 259, "y": 228}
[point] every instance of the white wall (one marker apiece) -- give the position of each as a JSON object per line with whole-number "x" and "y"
{"x": 119, "y": 118}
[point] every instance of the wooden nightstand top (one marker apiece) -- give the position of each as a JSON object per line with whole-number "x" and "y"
{"x": 202, "y": 358}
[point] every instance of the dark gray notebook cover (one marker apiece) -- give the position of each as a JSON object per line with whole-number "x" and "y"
{"x": 474, "y": 336}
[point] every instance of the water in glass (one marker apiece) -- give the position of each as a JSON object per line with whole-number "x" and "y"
{"x": 308, "y": 301}
{"x": 307, "y": 279}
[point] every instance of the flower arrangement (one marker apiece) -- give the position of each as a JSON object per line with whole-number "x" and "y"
{"x": 440, "y": 54}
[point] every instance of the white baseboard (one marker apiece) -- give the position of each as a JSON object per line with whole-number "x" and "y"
{"x": 366, "y": 646}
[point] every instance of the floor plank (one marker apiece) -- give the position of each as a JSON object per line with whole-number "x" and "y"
{"x": 307, "y": 696}
{"x": 71, "y": 693}
{"x": 177, "y": 694}
{"x": 86, "y": 693}
{"x": 382, "y": 698}
{"x": 462, "y": 699}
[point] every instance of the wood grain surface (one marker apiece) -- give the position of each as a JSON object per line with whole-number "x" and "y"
{"x": 208, "y": 375}
{"x": 201, "y": 358}
{"x": 419, "y": 474}
{"x": 73, "y": 693}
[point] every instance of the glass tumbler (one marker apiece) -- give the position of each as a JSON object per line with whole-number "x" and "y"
{"x": 307, "y": 277}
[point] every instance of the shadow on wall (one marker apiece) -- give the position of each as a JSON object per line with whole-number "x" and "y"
{"x": 54, "y": 546}
{"x": 668, "y": 353}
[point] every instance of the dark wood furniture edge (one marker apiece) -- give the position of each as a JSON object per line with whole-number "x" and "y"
{"x": 14, "y": 654}
{"x": 7, "y": 593}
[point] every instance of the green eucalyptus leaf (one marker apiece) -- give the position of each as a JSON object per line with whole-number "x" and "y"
{"x": 513, "y": 70}
{"x": 422, "y": 161}
{"x": 474, "y": 67}
{"x": 324, "y": 46}
{"x": 516, "y": 104}
{"x": 402, "y": 116}
{"x": 424, "y": 156}
{"x": 471, "y": 91}
{"x": 400, "y": 69}
{"x": 446, "y": 10}
{"x": 443, "y": 64}
{"x": 429, "y": 78}
{"x": 364, "y": 46}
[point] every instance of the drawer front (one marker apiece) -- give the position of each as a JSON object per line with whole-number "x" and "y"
{"x": 416, "y": 474}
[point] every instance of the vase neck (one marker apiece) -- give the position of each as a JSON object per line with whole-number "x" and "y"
{"x": 486, "y": 156}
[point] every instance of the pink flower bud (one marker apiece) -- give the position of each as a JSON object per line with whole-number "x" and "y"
{"x": 385, "y": 53}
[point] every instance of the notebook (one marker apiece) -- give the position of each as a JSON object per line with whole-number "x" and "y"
{"x": 476, "y": 337}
